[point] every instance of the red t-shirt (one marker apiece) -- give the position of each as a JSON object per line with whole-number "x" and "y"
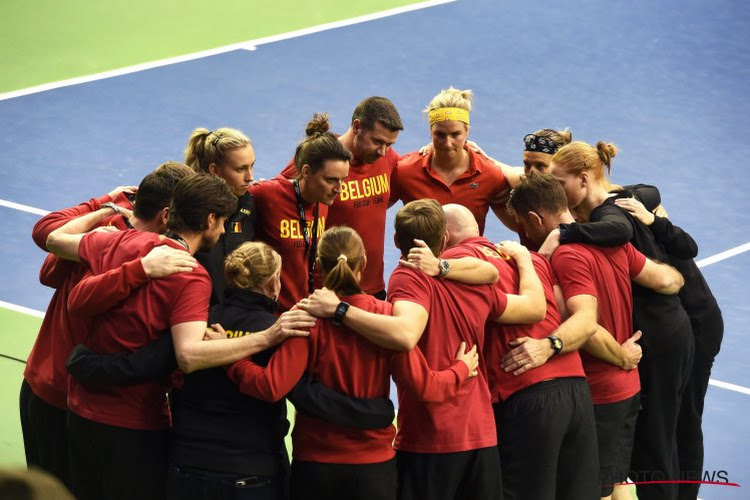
{"x": 414, "y": 179}
{"x": 604, "y": 273}
{"x": 133, "y": 323}
{"x": 362, "y": 205}
{"x": 279, "y": 226}
{"x": 457, "y": 312}
{"x": 496, "y": 345}
{"x": 347, "y": 363}
{"x": 45, "y": 368}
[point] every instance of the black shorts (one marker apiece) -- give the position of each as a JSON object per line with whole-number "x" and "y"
{"x": 315, "y": 480}
{"x": 615, "y": 428}
{"x": 450, "y": 476}
{"x": 547, "y": 442}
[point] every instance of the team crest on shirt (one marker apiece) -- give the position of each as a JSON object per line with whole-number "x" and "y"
{"x": 474, "y": 185}
{"x": 236, "y": 227}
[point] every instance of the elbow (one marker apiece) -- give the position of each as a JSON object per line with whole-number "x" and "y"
{"x": 186, "y": 362}
{"x": 404, "y": 344}
{"x": 52, "y": 243}
{"x": 671, "y": 284}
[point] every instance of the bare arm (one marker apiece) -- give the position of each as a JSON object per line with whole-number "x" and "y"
{"x": 603, "y": 345}
{"x": 528, "y": 353}
{"x": 661, "y": 278}
{"x": 193, "y": 353}
{"x": 64, "y": 240}
{"x": 530, "y": 305}
{"x": 399, "y": 332}
{"x": 468, "y": 270}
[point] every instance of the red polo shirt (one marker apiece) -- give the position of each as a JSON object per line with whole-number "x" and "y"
{"x": 348, "y": 363}
{"x": 279, "y": 226}
{"x": 604, "y": 273}
{"x": 457, "y": 313}
{"x": 133, "y": 323}
{"x": 415, "y": 179}
{"x": 502, "y": 384}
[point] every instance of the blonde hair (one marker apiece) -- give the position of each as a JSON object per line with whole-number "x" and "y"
{"x": 251, "y": 265}
{"x": 451, "y": 98}
{"x": 319, "y": 145}
{"x": 206, "y": 147}
{"x": 559, "y": 137}
{"x": 340, "y": 253}
{"x": 579, "y": 156}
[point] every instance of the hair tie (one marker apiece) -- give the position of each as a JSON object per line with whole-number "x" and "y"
{"x": 216, "y": 140}
{"x": 342, "y": 257}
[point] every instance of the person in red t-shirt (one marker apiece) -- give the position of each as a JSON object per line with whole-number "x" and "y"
{"x": 364, "y": 196}
{"x": 452, "y": 172}
{"x": 292, "y": 214}
{"x": 43, "y": 399}
{"x": 596, "y": 285}
{"x": 330, "y": 457}
{"x": 455, "y": 440}
{"x": 118, "y": 434}
{"x": 544, "y": 416}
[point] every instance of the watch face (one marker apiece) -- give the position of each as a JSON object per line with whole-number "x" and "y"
{"x": 444, "y": 267}
{"x": 558, "y": 344}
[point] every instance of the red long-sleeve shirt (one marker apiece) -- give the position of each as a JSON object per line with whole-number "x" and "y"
{"x": 348, "y": 363}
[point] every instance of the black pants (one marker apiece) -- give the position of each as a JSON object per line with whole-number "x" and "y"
{"x": 45, "y": 435}
{"x": 708, "y": 333}
{"x": 664, "y": 377}
{"x": 547, "y": 442}
{"x": 315, "y": 481}
{"x": 115, "y": 463}
{"x": 186, "y": 483}
{"x": 449, "y": 476}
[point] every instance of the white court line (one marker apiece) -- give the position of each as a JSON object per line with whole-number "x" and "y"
{"x": 723, "y": 255}
{"x": 23, "y": 208}
{"x": 247, "y": 45}
{"x": 728, "y": 386}
{"x": 21, "y": 309}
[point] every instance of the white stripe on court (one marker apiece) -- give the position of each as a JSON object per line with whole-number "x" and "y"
{"x": 729, "y": 387}
{"x": 23, "y": 208}
{"x": 21, "y": 309}
{"x": 247, "y": 45}
{"x": 723, "y": 255}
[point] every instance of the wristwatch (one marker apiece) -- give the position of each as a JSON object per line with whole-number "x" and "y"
{"x": 111, "y": 205}
{"x": 443, "y": 267}
{"x": 338, "y": 315}
{"x": 557, "y": 344}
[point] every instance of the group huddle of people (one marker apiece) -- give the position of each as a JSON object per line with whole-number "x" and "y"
{"x": 189, "y": 308}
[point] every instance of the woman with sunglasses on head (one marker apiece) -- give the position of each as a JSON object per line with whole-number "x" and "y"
{"x": 539, "y": 148}
{"x": 667, "y": 339}
{"x": 333, "y": 461}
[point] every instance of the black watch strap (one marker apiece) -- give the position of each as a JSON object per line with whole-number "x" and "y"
{"x": 557, "y": 344}
{"x": 338, "y": 316}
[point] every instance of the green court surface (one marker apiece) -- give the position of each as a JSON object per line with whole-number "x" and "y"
{"x": 48, "y": 41}
{"x": 18, "y": 333}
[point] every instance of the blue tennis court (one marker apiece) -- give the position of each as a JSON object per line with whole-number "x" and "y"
{"x": 666, "y": 82}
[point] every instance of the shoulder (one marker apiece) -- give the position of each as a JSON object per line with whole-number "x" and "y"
{"x": 271, "y": 187}
{"x": 410, "y": 160}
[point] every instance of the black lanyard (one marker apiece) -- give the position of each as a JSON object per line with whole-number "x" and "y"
{"x": 179, "y": 239}
{"x": 311, "y": 250}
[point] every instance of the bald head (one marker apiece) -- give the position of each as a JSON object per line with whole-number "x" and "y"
{"x": 460, "y": 222}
